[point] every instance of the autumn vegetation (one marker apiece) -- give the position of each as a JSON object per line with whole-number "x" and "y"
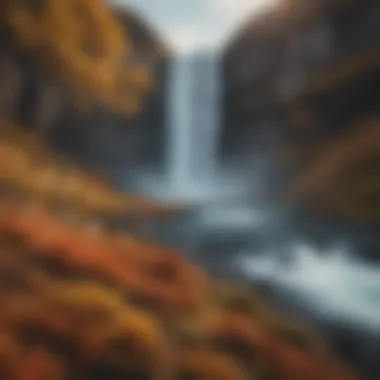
{"x": 80, "y": 44}
{"x": 79, "y": 302}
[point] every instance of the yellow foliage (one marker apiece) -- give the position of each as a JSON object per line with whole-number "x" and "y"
{"x": 28, "y": 165}
{"x": 81, "y": 42}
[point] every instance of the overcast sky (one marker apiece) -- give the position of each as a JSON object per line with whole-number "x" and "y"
{"x": 192, "y": 24}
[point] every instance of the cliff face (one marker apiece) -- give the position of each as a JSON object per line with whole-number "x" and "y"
{"x": 312, "y": 75}
{"x": 114, "y": 143}
{"x": 312, "y": 84}
{"x": 281, "y": 57}
{"x": 98, "y": 136}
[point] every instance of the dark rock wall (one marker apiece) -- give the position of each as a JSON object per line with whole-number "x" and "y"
{"x": 97, "y": 138}
{"x": 271, "y": 64}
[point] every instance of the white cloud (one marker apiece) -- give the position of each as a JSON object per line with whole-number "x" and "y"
{"x": 185, "y": 39}
{"x": 235, "y": 5}
{"x": 232, "y": 13}
{"x": 241, "y": 7}
{"x": 181, "y": 24}
{"x": 188, "y": 39}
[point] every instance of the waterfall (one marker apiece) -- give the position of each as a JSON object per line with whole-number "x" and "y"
{"x": 180, "y": 133}
{"x": 191, "y": 173}
{"x": 205, "y": 118}
{"x": 193, "y": 127}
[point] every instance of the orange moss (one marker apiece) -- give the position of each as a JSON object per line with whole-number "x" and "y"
{"x": 207, "y": 365}
{"x": 137, "y": 309}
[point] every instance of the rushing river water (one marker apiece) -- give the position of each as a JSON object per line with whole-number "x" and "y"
{"x": 334, "y": 284}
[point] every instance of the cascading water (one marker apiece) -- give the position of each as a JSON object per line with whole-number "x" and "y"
{"x": 193, "y": 126}
{"x": 180, "y": 130}
{"x": 192, "y": 174}
{"x": 205, "y": 118}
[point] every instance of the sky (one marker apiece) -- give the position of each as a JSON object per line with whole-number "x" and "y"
{"x": 190, "y": 25}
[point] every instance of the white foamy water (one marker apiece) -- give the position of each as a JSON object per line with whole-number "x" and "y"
{"x": 332, "y": 283}
{"x": 180, "y": 129}
{"x": 192, "y": 174}
{"x": 193, "y": 125}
